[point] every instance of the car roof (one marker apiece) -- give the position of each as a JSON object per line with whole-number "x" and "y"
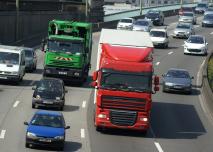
{"x": 197, "y": 36}
{"x": 129, "y": 18}
{"x": 159, "y": 29}
{"x": 47, "y": 112}
{"x": 143, "y": 20}
{"x": 177, "y": 69}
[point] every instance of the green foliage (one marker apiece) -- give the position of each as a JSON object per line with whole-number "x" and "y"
{"x": 210, "y": 72}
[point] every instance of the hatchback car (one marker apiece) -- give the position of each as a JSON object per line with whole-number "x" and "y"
{"x": 46, "y": 128}
{"x": 188, "y": 17}
{"x": 159, "y": 37}
{"x": 177, "y": 80}
{"x": 156, "y": 16}
{"x": 207, "y": 20}
{"x": 142, "y": 25}
{"x": 196, "y": 44}
{"x": 183, "y": 30}
{"x": 125, "y": 24}
{"x": 30, "y": 59}
{"x": 49, "y": 92}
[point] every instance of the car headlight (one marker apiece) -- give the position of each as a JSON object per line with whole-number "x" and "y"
{"x": 157, "y": 19}
{"x": 169, "y": 84}
{"x": 188, "y": 85}
{"x": 38, "y": 97}
{"x": 15, "y": 73}
{"x": 31, "y": 135}
{"x": 59, "y": 137}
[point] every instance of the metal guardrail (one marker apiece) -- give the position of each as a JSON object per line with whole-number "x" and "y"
{"x": 136, "y": 12}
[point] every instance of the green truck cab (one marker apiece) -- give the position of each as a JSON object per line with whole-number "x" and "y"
{"x": 68, "y": 50}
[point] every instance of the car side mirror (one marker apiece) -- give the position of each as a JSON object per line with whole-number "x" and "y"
{"x": 26, "y": 123}
{"x": 93, "y": 84}
{"x": 95, "y": 76}
{"x": 192, "y": 77}
{"x": 34, "y": 88}
{"x": 207, "y": 43}
{"x": 67, "y": 127}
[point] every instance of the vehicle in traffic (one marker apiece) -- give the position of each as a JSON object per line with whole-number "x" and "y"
{"x": 183, "y": 30}
{"x": 124, "y": 80}
{"x": 177, "y": 80}
{"x": 209, "y": 11}
{"x": 142, "y": 25}
{"x": 12, "y": 63}
{"x": 156, "y": 16}
{"x": 46, "y": 128}
{"x": 49, "y": 92}
{"x": 196, "y": 44}
{"x": 188, "y": 17}
{"x": 68, "y": 50}
{"x": 201, "y": 7}
{"x": 30, "y": 59}
{"x": 159, "y": 37}
{"x": 185, "y": 9}
{"x": 207, "y": 20}
{"x": 125, "y": 24}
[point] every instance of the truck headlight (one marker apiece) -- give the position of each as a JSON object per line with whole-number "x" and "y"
{"x": 31, "y": 135}
{"x": 59, "y": 137}
{"x": 76, "y": 74}
{"x": 101, "y": 116}
{"x": 144, "y": 119}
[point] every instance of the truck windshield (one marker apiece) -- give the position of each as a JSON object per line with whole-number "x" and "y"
{"x": 9, "y": 58}
{"x": 140, "y": 82}
{"x": 66, "y": 47}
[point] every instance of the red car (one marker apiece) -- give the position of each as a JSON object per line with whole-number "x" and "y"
{"x": 185, "y": 9}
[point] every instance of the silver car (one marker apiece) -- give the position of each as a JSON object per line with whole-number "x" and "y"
{"x": 188, "y": 17}
{"x": 30, "y": 59}
{"x": 207, "y": 20}
{"x": 142, "y": 25}
{"x": 183, "y": 30}
{"x": 177, "y": 80}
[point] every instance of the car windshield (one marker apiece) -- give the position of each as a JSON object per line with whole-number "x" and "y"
{"x": 177, "y": 74}
{"x": 140, "y": 82}
{"x": 157, "y": 34}
{"x": 188, "y": 14}
{"x": 74, "y": 47}
{"x": 187, "y": 9}
{"x": 9, "y": 58}
{"x": 48, "y": 120}
{"x": 126, "y": 20}
{"x": 195, "y": 39}
{"x": 208, "y": 16}
{"x": 201, "y": 5}
{"x": 49, "y": 86}
{"x": 183, "y": 26}
{"x": 28, "y": 53}
{"x": 142, "y": 23}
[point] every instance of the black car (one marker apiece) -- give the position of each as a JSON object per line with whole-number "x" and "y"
{"x": 49, "y": 92}
{"x": 156, "y": 16}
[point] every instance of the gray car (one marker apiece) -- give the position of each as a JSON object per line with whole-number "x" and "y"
{"x": 201, "y": 7}
{"x": 188, "y": 17}
{"x": 30, "y": 59}
{"x": 177, "y": 80}
{"x": 207, "y": 20}
{"x": 183, "y": 30}
{"x": 142, "y": 25}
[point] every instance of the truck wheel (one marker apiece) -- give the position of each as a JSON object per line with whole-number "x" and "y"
{"x": 33, "y": 106}
{"x": 99, "y": 129}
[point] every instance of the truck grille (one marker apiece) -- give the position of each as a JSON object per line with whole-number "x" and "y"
{"x": 123, "y": 103}
{"x": 194, "y": 50}
{"x": 123, "y": 118}
{"x": 62, "y": 63}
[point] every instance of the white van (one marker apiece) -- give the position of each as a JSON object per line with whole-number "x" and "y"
{"x": 12, "y": 63}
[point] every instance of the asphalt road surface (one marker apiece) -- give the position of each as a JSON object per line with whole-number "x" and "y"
{"x": 179, "y": 123}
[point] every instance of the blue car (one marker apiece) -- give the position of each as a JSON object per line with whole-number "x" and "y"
{"x": 46, "y": 128}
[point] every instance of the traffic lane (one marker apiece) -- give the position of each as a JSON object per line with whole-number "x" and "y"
{"x": 116, "y": 140}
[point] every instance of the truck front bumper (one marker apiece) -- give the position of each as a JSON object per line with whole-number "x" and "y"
{"x": 9, "y": 77}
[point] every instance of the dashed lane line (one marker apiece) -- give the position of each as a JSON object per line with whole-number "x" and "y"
{"x": 82, "y": 133}
{"x": 170, "y": 52}
{"x": 157, "y": 63}
{"x": 84, "y": 104}
{"x": 211, "y": 33}
{"x": 158, "y": 146}
{"x": 16, "y": 104}
{"x": 32, "y": 82}
{"x": 2, "y": 134}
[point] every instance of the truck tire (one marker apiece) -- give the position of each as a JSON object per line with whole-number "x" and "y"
{"x": 99, "y": 129}
{"x": 27, "y": 145}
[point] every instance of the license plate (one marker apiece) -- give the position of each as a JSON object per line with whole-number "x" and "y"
{"x": 46, "y": 102}
{"x": 45, "y": 140}
{"x": 177, "y": 87}
{"x": 62, "y": 73}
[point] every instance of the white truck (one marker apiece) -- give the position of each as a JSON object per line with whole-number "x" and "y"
{"x": 12, "y": 63}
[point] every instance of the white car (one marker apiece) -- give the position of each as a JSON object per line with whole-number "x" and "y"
{"x": 196, "y": 44}
{"x": 126, "y": 24}
{"x": 142, "y": 25}
{"x": 159, "y": 37}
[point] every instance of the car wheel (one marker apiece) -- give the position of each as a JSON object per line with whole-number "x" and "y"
{"x": 27, "y": 145}
{"x": 61, "y": 108}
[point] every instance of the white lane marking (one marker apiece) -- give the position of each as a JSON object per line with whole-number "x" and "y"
{"x": 211, "y": 33}
{"x": 82, "y": 133}
{"x": 84, "y": 104}
{"x": 32, "y": 82}
{"x": 158, "y": 146}
{"x": 170, "y": 52}
{"x": 182, "y": 45}
{"x": 2, "y": 134}
{"x": 16, "y": 104}
{"x": 157, "y": 63}
{"x": 196, "y": 26}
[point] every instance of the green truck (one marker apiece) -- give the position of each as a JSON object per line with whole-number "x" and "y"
{"x": 68, "y": 50}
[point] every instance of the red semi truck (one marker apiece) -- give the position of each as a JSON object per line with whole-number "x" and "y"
{"x": 124, "y": 80}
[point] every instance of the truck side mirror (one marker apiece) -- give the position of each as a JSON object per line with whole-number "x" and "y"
{"x": 95, "y": 76}
{"x": 93, "y": 84}
{"x": 156, "y": 80}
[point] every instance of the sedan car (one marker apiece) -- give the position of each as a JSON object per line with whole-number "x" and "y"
{"x": 201, "y": 7}
{"x": 49, "y": 92}
{"x": 159, "y": 37}
{"x": 209, "y": 11}
{"x": 177, "y": 80}
{"x": 46, "y": 128}
{"x": 142, "y": 25}
{"x": 30, "y": 59}
{"x": 188, "y": 17}
{"x": 207, "y": 20}
{"x": 125, "y": 24}
{"x": 196, "y": 44}
{"x": 156, "y": 16}
{"x": 185, "y": 9}
{"x": 183, "y": 30}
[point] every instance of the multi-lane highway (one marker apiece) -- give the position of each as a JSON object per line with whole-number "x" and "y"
{"x": 178, "y": 122}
